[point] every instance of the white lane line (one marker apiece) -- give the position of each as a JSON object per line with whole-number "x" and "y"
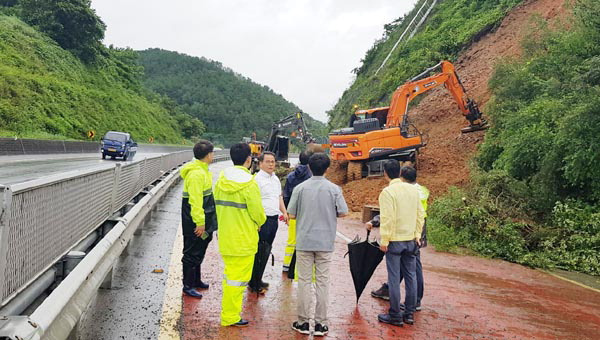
{"x": 173, "y": 301}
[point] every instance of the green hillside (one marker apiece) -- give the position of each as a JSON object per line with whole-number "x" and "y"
{"x": 47, "y": 92}
{"x": 534, "y": 194}
{"x": 451, "y": 26}
{"x": 231, "y": 105}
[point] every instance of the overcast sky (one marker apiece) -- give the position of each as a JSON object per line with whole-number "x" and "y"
{"x": 303, "y": 49}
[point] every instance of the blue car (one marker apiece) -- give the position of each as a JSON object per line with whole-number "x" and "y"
{"x": 118, "y": 144}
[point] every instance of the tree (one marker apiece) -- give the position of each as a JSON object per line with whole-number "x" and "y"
{"x": 73, "y": 24}
{"x": 8, "y": 3}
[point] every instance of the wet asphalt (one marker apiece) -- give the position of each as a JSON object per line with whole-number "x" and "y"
{"x": 132, "y": 308}
{"x": 466, "y": 297}
{"x": 18, "y": 169}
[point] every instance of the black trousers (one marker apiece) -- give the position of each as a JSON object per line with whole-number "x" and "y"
{"x": 194, "y": 248}
{"x": 266, "y": 236}
{"x": 269, "y": 229}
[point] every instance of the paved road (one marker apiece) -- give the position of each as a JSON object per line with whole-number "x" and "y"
{"x": 466, "y": 297}
{"x": 18, "y": 169}
{"x": 132, "y": 308}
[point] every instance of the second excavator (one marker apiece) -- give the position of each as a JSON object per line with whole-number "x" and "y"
{"x": 378, "y": 134}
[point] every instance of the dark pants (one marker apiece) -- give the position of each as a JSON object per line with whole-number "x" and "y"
{"x": 266, "y": 236}
{"x": 194, "y": 248}
{"x": 419, "y": 273}
{"x": 269, "y": 229}
{"x": 401, "y": 261}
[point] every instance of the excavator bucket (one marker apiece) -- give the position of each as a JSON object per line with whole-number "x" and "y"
{"x": 475, "y": 127}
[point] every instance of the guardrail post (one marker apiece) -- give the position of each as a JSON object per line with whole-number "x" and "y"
{"x": 115, "y": 188}
{"x": 107, "y": 282}
{"x": 5, "y": 204}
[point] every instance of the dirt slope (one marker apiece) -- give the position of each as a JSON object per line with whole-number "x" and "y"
{"x": 444, "y": 161}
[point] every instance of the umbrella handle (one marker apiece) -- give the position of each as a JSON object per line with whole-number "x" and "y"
{"x": 368, "y": 233}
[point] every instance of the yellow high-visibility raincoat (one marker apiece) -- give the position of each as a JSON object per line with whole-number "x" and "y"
{"x": 240, "y": 213}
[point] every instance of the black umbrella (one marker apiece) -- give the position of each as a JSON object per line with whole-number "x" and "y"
{"x": 364, "y": 258}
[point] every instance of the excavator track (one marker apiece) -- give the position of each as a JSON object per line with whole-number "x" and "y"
{"x": 354, "y": 171}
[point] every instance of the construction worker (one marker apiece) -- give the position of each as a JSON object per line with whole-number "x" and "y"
{"x": 272, "y": 201}
{"x": 383, "y": 291}
{"x": 240, "y": 214}
{"x": 198, "y": 216}
{"x": 300, "y": 174}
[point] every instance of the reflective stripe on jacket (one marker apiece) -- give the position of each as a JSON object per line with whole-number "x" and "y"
{"x": 239, "y": 212}
{"x": 424, "y": 195}
{"x": 197, "y": 187}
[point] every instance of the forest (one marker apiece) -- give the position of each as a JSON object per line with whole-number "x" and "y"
{"x": 58, "y": 81}
{"x": 231, "y": 105}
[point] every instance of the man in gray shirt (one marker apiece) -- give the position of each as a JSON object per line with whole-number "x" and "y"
{"x": 316, "y": 203}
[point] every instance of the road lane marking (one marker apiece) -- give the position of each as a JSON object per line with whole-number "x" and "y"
{"x": 172, "y": 300}
{"x": 569, "y": 280}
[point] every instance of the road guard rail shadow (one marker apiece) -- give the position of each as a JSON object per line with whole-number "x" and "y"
{"x": 42, "y": 221}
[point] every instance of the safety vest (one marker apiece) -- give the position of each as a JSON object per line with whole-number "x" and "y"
{"x": 239, "y": 212}
{"x": 197, "y": 188}
{"x": 424, "y": 195}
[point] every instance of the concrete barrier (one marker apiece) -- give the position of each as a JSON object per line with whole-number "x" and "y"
{"x": 18, "y": 146}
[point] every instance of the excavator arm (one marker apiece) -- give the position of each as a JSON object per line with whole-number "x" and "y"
{"x": 398, "y": 112}
{"x": 295, "y": 122}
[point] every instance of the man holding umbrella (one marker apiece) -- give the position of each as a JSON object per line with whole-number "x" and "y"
{"x": 383, "y": 292}
{"x": 401, "y": 223}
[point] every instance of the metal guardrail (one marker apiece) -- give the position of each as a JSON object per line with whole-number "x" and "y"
{"x": 19, "y": 146}
{"x": 41, "y": 220}
{"x": 59, "y": 313}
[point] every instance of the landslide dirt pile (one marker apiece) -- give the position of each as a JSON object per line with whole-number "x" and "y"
{"x": 444, "y": 161}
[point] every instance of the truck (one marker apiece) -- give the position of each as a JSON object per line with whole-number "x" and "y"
{"x": 118, "y": 144}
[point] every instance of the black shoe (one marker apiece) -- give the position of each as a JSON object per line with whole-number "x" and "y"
{"x": 386, "y": 318}
{"x": 321, "y": 330}
{"x": 408, "y": 318}
{"x": 241, "y": 323}
{"x": 260, "y": 290}
{"x": 382, "y": 293}
{"x": 189, "y": 291}
{"x": 264, "y": 284}
{"x": 202, "y": 285}
{"x": 301, "y": 328}
{"x": 418, "y": 307}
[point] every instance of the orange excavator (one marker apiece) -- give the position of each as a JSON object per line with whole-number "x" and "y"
{"x": 382, "y": 133}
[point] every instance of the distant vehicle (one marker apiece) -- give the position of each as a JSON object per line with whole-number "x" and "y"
{"x": 118, "y": 144}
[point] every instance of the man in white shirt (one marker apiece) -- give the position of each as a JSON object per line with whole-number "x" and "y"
{"x": 272, "y": 200}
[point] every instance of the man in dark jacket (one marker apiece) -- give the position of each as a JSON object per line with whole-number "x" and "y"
{"x": 300, "y": 174}
{"x": 198, "y": 216}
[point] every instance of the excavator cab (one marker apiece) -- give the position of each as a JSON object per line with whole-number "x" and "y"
{"x": 377, "y": 134}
